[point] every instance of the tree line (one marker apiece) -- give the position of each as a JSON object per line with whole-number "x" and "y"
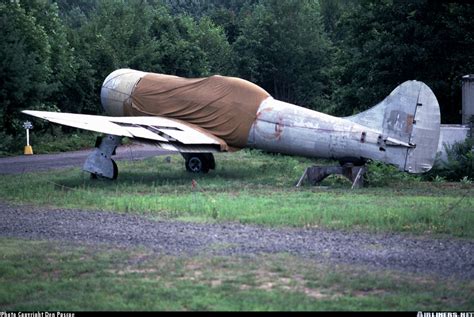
{"x": 335, "y": 56}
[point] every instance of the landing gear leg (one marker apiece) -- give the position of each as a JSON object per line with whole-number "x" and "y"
{"x": 99, "y": 162}
{"x": 199, "y": 162}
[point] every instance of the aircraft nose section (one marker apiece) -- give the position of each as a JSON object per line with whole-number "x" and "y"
{"x": 116, "y": 90}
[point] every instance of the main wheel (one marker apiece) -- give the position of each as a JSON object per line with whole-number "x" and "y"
{"x": 199, "y": 162}
{"x": 196, "y": 164}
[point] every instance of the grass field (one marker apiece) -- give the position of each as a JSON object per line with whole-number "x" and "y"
{"x": 247, "y": 187}
{"x": 258, "y": 188}
{"x": 36, "y": 275}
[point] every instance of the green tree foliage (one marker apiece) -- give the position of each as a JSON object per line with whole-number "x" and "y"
{"x": 332, "y": 12}
{"x": 25, "y": 65}
{"x": 338, "y": 56}
{"x": 144, "y": 35}
{"x": 216, "y": 48}
{"x": 61, "y": 56}
{"x": 225, "y": 13}
{"x": 387, "y": 42}
{"x": 282, "y": 48}
{"x": 82, "y": 96}
{"x": 201, "y": 8}
{"x": 54, "y": 61}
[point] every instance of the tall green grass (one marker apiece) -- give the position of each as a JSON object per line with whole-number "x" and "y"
{"x": 257, "y": 188}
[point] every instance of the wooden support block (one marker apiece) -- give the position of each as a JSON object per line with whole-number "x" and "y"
{"x": 316, "y": 174}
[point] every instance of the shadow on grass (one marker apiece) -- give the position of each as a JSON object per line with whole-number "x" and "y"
{"x": 243, "y": 170}
{"x": 173, "y": 177}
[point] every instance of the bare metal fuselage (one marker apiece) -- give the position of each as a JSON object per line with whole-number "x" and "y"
{"x": 290, "y": 129}
{"x": 197, "y": 117}
{"x": 402, "y": 130}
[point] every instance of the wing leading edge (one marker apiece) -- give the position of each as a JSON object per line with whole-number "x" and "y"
{"x": 166, "y": 133}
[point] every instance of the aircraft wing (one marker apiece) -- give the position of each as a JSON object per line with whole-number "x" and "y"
{"x": 166, "y": 133}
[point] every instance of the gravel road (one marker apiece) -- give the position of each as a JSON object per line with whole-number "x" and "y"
{"x": 42, "y": 162}
{"x": 441, "y": 257}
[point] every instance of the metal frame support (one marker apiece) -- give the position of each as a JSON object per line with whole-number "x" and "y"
{"x": 316, "y": 174}
{"x": 99, "y": 162}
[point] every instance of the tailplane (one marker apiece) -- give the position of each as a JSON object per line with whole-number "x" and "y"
{"x": 409, "y": 119}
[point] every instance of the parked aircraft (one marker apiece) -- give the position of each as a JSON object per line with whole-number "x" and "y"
{"x": 201, "y": 116}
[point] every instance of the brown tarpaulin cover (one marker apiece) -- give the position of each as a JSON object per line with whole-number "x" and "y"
{"x": 224, "y": 106}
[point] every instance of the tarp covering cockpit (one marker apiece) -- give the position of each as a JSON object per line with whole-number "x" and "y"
{"x": 224, "y": 106}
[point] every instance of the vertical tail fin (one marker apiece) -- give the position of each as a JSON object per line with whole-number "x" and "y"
{"x": 409, "y": 119}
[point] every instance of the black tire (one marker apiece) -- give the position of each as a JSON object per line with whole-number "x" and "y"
{"x": 197, "y": 163}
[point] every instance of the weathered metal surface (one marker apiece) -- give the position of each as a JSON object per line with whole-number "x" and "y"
{"x": 286, "y": 128}
{"x": 161, "y": 130}
{"x": 168, "y": 129}
{"x": 117, "y": 88}
{"x": 396, "y": 131}
{"x": 425, "y": 135}
{"x": 82, "y": 121}
{"x": 402, "y": 130}
{"x": 99, "y": 162}
{"x": 144, "y": 133}
{"x": 467, "y": 98}
{"x": 187, "y": 136}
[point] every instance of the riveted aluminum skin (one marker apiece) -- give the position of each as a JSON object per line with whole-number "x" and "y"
{"x": 117, "y": 88}
{"x": 426, "y": 132}
{"x": 286, "y": 128}
{"x": 402, "y": 130}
